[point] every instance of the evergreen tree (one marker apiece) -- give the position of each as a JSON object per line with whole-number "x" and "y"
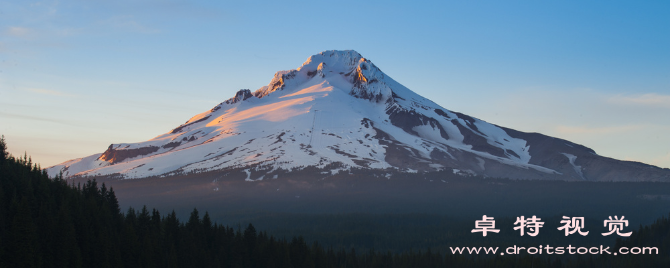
{"x": 23, "y": 251}
{"x": 48, "y": 223}
{"x": 3, "y": 150}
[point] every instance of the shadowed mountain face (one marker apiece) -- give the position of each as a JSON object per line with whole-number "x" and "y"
{"x": 339, "y": 111}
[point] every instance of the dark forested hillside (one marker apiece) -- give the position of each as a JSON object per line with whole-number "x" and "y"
{"x": 656, "y": 234}
{"x": 44, "y": 222}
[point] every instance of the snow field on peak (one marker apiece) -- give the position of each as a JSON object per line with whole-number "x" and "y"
{"x": 309, "y": 116}
{"x": 277, "y": 129}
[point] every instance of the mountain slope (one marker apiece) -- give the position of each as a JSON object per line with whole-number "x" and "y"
{"x": 339, "y": 110}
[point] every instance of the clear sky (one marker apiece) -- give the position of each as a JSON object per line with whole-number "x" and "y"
{"x": 76, "y": 76}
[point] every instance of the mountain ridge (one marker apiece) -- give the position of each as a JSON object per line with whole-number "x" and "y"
{"x": 338, "y": 107}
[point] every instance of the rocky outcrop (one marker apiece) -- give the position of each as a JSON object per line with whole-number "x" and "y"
{"x": 241, "y": 95}
{"x": 114, "y": 156}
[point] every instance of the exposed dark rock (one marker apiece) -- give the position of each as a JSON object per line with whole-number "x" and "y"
{"x": 279, "y": 139}
{"x": 395, "y": 96}
{"x": 229, "y": 152}
{"x": 278, "y": 84}
{"x": 510, "y": 152}
{"x": 359, "y": 79}
{"x": 241, "y": 95}
{"x": 469, "y": 121}
{"x": 331, "y": 134}
{"x": 171, "y": 144}
{"x": 365, "y": 162}
{"x": 338, "y": 151}
{"x": 180, "y": 128}
{"x": 442, "y": 113}
{"x": 478, "y": 142}
{"x": 408, "y": 119}
{"x": 364, "y": 94}
{"x": 114, "y": 156}
{"x": 282, "y": 82}
{"x": 367, "y": 123}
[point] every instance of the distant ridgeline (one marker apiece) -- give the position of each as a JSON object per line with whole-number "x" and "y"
{"x": 47, "y": 223}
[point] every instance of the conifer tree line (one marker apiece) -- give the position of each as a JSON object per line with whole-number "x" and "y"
{"x": 44, "y": 222}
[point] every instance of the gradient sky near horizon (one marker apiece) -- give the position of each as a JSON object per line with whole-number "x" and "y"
{"x": 77, "y": 76}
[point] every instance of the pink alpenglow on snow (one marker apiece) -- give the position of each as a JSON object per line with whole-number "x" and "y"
{"x": 339, "y": 111}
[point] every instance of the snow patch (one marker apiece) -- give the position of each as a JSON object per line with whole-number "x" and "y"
{"x": 578, "y": 169}
{"x": 480, "y": 162}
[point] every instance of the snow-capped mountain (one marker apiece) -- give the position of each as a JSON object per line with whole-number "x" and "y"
{"x": 339, "y": 111}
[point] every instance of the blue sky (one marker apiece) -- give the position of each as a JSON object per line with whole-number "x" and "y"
{"x": 76, "y": 76}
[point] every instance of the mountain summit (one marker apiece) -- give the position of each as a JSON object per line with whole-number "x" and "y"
{"x": 339, "y": 111}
